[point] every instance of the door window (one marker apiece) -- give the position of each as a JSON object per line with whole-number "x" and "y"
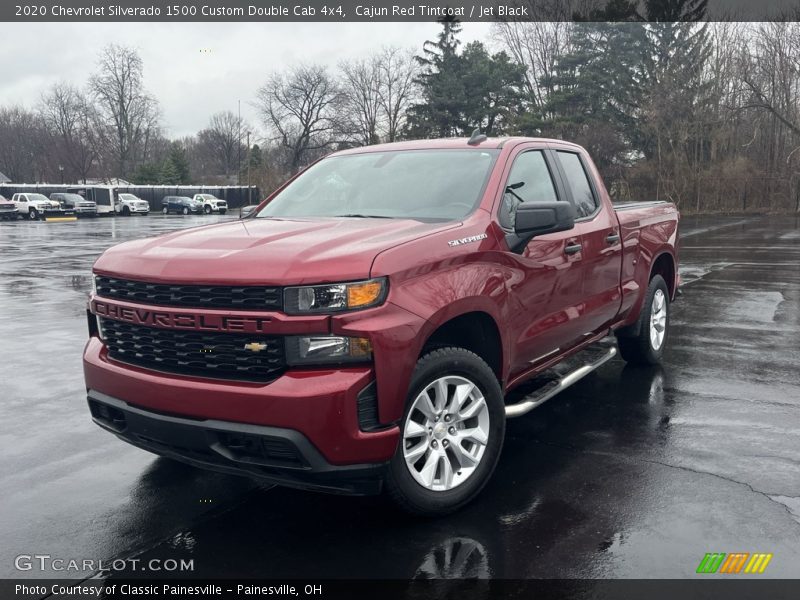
{"x": 529, "y": 181}
{"x": 578, "y": 183}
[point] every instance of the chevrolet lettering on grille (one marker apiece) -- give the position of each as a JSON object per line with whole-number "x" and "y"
{"x": 181, "y": 320}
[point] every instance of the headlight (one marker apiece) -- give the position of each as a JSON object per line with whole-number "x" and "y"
{"x": 334, "y": 297}
{"x": 326, "y": 350}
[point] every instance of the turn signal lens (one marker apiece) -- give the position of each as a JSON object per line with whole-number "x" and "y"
{"x": 360, "y": 348}
{"x": 363, "y": 294}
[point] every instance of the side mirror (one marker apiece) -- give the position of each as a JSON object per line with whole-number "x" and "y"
{"x": 539, "y": 218}
{"x": 246, "y": 211}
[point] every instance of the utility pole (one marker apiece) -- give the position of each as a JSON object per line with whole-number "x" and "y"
{"x": 248, "y": 168}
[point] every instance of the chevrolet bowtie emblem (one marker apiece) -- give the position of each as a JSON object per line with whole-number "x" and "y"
{"x": 255, "y": 347}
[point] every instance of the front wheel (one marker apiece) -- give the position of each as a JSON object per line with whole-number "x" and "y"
{"x": 33, "y": 214}
{"x": 451, "y": 433}
{"x": 207, "y": 209}
{"x": 185, "y": 210}
{"x": 647, "y": 347}
{"x": 165, "y": 210}
{"x": 126, "y": 212}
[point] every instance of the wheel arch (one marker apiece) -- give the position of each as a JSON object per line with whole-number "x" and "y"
{"x": 475, "y": 330}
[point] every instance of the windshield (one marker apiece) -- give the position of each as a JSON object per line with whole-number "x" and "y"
{"x": 207, "y": 196}
{"x": 37, "y": 198}
{"x": 410, "y": 184}
{"x": 128, "y": 197}
{"x": 73, "y": 197}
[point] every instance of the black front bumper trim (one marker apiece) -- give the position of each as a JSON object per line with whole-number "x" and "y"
{"x": 273, "y": 454}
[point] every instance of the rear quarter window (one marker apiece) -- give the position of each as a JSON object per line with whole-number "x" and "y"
{"x": 578, "y": 183}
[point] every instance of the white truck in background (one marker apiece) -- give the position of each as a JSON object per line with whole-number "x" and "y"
{"x": 127, "y": 205}
{"x": 38, "y": 206}
{"x": 211, "y": 204}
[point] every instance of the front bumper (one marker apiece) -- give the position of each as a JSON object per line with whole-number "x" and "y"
{"x": 277, "y": 455}
{"x": 321, "y": 404}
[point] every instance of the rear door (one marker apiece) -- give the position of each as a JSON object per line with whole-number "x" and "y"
{"x": 601, "y": 248}
{"x": 544, "y": 301}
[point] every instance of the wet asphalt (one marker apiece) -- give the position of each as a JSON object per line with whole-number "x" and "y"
{"x": 631, "y": 473}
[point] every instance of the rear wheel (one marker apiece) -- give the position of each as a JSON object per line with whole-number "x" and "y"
{"x": 647, "y": 347}
{"x": 451, "y": 433}
{"x": 222, "y": 211}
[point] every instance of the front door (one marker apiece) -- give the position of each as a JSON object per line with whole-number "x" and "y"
{"x": 545, "y": 298}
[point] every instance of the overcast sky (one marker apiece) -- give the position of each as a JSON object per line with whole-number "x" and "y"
{"x": 191, "y": 85}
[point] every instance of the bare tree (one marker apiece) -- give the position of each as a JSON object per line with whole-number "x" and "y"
{"x": 361, "y": 102}
{"x": 129, "y": 113}
{"x": 397, "y": 71}
{"x": 299, "y": 109}
{"x": 23, "y": 145}
{"x": 71, "y": 122}
{"x": 220, "y": 143}
{"x": 537, "y": 45}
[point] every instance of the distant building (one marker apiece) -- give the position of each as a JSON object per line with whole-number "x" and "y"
{"x": 4, "y": 179}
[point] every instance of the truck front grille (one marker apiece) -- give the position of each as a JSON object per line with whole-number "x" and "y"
{"x": 192, "y": 296}
{"x": 195, "y": 353}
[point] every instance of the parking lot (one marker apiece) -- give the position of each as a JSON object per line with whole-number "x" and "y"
{"x": 630, "y": 473}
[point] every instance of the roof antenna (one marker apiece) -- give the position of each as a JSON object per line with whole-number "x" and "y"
{"x": 477, "y": 137}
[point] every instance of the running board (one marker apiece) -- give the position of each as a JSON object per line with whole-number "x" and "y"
{"x": 547, "y": 391}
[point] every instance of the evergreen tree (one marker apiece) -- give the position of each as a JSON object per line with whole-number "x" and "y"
{"x": 676, "y": 91}
{"x": 598, "y": 89}
{"x": 442, "y": 103}
{"x": 147, "y": 174}
{"x": 463, "y": 91}
{"x": 492, "y": 89}
{"x": 178, "y": 161}
{"x": 256, "y": 159}
{"x": 169, "y": 174}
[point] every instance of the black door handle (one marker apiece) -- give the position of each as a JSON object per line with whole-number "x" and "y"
{"x": 612, "y": 238}
{"x": 572, "y": 248}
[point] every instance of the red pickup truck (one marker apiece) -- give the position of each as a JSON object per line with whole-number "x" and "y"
{"x": 360, "y": 330}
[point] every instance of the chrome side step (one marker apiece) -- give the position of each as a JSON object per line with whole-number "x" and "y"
{"x": 547, "y": 391}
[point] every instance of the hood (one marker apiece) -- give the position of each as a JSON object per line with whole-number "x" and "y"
{"x": 264, "y": 251}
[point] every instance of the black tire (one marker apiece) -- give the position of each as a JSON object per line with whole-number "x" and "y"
{"x": 33, "y": 214}
{"x": 165, "y": 210}
{"x": 126, "y": 212}
{"x": 639, "y": 349}
{"x": 185, "y": 210}
{"x": 222, "y": 211}
{"x": 401, "y": 487}
{"x": 207, "y": 209}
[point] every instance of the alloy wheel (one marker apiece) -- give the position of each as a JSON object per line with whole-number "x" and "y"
{"x": 445, "y": 433}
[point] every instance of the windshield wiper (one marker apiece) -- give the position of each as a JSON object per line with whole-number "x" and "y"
{"x": 360, "y": 216}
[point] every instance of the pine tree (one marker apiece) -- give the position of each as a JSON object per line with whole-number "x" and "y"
{"x": 169, "y": 173}
{"x": 463, "y": 91}
{"x": 441, "y": 84}
{"x": 598, "y": 88}
{"x": 256, "y": 159}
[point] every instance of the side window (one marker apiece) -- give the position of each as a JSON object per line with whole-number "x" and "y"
{"x": 578, "y": 182}
{"x": 529, "y": 181}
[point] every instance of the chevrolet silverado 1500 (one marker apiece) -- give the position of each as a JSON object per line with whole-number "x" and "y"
{"x": 360, "y": 330}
